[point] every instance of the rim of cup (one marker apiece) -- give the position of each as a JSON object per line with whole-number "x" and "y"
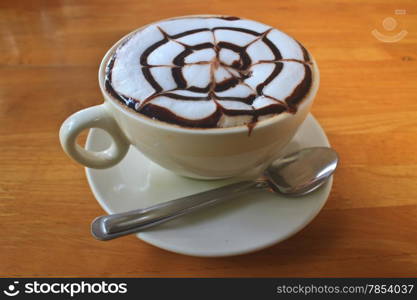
{"x": 177, "y": 128}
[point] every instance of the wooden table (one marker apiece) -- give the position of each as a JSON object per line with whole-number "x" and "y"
{"x": 367, "y": 104}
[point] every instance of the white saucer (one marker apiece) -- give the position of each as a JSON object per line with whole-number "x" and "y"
{"x": 251, "y": 223}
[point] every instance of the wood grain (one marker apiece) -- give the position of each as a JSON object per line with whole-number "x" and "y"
{"x": 49, "y": 56}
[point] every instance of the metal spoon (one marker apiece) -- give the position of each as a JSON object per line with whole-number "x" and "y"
{"x": 296, "y": 174}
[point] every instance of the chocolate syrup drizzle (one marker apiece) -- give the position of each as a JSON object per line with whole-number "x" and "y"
{"x": 241, "y": 67}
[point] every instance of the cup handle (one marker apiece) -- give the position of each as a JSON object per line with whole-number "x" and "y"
{"x": 93, "y": 117}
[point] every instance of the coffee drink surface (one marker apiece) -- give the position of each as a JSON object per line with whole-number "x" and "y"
{"x": 210, "y": 72}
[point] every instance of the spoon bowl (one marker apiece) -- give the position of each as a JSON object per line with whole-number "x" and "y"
{"x": 302, "y": 172}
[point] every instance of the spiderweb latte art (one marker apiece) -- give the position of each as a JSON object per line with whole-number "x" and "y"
{"x": 208, "y": 72}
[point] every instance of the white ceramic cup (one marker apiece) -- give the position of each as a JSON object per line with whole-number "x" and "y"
{"x": 198, "y": 153}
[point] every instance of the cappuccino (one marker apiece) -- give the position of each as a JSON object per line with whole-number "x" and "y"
{"x": 209, "y": 72}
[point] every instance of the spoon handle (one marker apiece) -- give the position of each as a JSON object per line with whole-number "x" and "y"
{"x": 116, "y": 225}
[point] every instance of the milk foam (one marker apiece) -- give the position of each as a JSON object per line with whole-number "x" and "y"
{"x": 210, "y": 72}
